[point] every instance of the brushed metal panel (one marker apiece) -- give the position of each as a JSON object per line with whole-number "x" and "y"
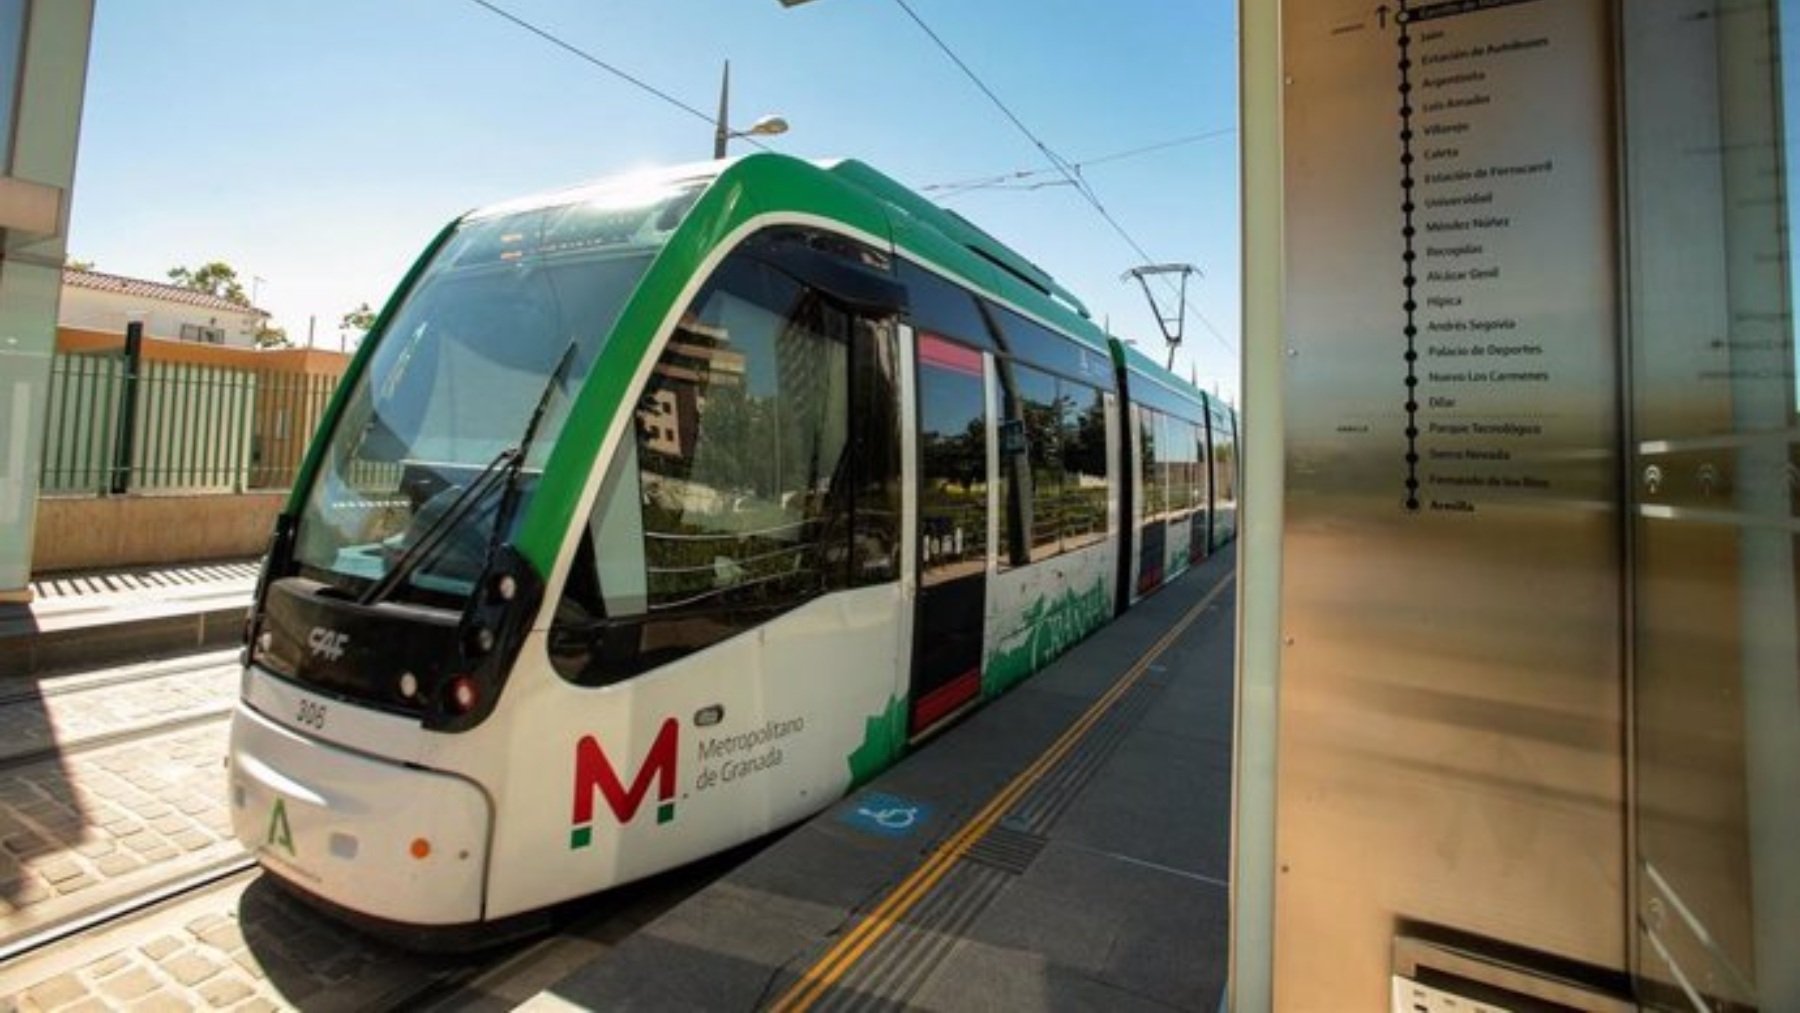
{"x": 1451, "y": 722}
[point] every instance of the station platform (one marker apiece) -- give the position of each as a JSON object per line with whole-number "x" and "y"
{"x": 84, "y": 620}
{"x": 1065, "y": 847}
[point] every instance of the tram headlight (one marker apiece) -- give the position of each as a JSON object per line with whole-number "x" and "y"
{"x": 409, "y": 685}
{"x": 464, "y": 694}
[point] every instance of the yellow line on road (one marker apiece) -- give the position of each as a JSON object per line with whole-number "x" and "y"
{"x": 828, "y": 969}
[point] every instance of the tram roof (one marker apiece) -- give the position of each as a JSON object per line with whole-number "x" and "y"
{"x": 918, "y": 227}
{"x": 1143, "y": 365}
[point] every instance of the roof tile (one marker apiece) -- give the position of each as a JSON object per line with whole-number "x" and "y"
{"x": 152, "y": 290}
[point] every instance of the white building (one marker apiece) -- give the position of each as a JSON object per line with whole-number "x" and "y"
{"x": 94, "y": 301}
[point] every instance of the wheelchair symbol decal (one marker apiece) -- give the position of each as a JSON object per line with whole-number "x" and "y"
{"x": 897, "y": 818}
{"x": 885, "y": 815}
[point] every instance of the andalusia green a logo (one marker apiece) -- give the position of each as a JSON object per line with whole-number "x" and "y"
{"x": 595, "y": 773}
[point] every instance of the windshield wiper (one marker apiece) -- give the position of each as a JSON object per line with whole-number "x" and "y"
{"x": 440, "y": 529}
{"x": 509, "y": 499}
{"x": 505, "y": 467}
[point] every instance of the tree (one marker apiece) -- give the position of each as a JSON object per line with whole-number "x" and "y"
{"x": 358, "y": 320}
{"x": 271, "y": 337}
{"x": 78, "y": 265}
{"x": 215, "y": 277}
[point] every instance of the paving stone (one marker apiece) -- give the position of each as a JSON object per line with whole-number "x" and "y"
{"x": 62, "y": 989}
{"x": 127, "y": 985}
{"x": 160, "y": 947}
{"x": 119, "y": 863}
{"x": 226, "y": 937}
{"x": 59, "y": 870}
{"x": 190, "y": 968}
{"x": 26, "y": 845}
{"x": 256, "y": 1005}
{"x": 246, "y": 960}
{"x": 142, "y": 842}
{"x": 225, "y": 990}
{"x": 96, "y": 848}
{"x": 160, "y": 1002}
{"x": 190, "y": 839}
{"x": 76, "y": 885}
{"x": 91, "y": 1004}
{"x": 170, "y": 824}
{"x": 30, "y": 892}
{"x": 194, "y": 805}
{"x": 204, "y": 922}
{"x": 107, "y": 965}
{"x": 159, "y": 852}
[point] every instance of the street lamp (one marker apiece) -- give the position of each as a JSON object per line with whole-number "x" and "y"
{"x": 768, "y": 126}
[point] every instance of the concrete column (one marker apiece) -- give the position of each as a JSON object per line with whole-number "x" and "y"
{"x": 34, "y": 225}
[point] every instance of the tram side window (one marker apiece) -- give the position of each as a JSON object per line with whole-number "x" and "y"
{"x": 1202, "y": 470}
{"x": 743, "y": 491}
{"x": 953, "y": 493}
{"x": 1178, "y": 440}
{"x": 1225, "y": 463}
{"x": 1084, "y": 465}
{"x": 1150, "y": 502}
{"x": 1032, "y": 476}
{"x": 943, "y": 307}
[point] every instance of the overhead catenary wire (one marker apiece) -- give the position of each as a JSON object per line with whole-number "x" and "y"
{"x": 1015, "y": 180}
{"x": 571, "y": 48}
{"x": 1070, "y": 175}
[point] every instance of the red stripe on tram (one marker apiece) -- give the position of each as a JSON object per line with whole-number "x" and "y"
{"x": 936, "y": 351}
{"x": 945, "y": 699}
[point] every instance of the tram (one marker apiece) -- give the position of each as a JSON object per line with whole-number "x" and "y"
{"x": 657, "y": 514}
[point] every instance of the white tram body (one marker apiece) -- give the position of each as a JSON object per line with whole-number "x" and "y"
{"x": 655, "y": 515}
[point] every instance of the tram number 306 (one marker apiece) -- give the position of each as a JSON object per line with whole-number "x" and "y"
{"x": 312, "y": 715}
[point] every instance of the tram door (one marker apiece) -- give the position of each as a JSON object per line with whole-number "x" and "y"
{"x": 953, "y": 530}
{"x": 1152, "y": 541}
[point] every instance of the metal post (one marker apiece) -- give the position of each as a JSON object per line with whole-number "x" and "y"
{"x": 720, "y": 131}
{"x": 134, "y": 355}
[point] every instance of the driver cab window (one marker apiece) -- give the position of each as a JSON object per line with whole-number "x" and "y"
{"x": 752, "y": 481}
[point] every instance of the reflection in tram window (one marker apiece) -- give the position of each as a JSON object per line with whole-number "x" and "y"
{"x": 1032, "y": 399}
{"x": 1084, "y": 465}
{"x": 743, "y": 493}
{"x": 1151, "y": 504}
{"x": 1053, "y": 464}
{"x": 953, "y": 489}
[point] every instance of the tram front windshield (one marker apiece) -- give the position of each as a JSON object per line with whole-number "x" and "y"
{"x": 508, "y": 317}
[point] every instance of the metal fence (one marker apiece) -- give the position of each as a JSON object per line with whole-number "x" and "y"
{"x": 192, "y": 428}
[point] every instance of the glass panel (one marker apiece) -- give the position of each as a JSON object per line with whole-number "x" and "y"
{"x": 1150, "y": 503}
{"x": 939, "y": 306}
{"x": 12, "y": 60}
{"x": 953, "y": 491}
{"x": 875, "y": 400}
{"x": 1714, "y": 464}
{"x": 745, "y": 492}
{"x": 1041, "y": 412}
{"x": 1084, "y": 465}
{"x": 510, "y": 315}
{"x": 1169, "y": 438}
{"x": 743, "y": 427}
{"x": 1040, "y": 346}
{"x": 1033, "y": 403}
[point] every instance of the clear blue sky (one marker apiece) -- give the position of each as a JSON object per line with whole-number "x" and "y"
{"x": 318, "y": 144}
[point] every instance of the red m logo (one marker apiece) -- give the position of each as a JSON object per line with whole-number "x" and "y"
{"x": 594, "y": 771}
